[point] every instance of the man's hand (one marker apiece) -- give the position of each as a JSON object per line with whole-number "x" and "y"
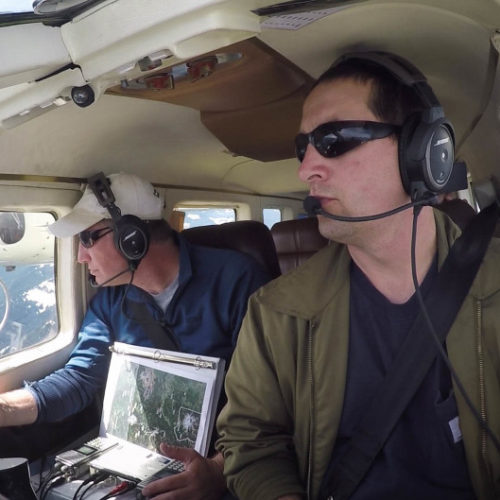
{"x": 202, "y": 478}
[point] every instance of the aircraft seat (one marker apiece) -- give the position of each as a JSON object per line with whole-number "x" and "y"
{"x": 247, "y": 236}
{"x": 296, "y": 240}
{"x": 458, "y": 210}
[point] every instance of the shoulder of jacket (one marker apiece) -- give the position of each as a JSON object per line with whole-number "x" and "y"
{"x": 307, "y": 290}
{"x": 487, "y": 281}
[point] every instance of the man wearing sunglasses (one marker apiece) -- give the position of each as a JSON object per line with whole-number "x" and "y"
{"x": 316, "y": 343}
{"x": 198, "y": 295}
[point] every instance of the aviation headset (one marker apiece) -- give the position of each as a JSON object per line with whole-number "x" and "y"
{"x": 130, "y": 233}
{"x": 427, "y": 140}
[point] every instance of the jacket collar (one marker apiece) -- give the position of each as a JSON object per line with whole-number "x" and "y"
{"x": 306, "y": 291}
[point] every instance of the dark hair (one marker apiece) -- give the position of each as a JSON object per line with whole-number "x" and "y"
{"x": 390, "y": 100}
{"x": 159, "y": 230}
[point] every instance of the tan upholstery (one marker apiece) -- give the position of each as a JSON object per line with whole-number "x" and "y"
{"x": 247, "y": 236}
{"x": 176, "y": 220}
{"x": 296, "y": 240}
{"x": 461, "y": 213}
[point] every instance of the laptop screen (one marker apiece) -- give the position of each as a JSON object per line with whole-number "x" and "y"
{"x": 150, "y": 401}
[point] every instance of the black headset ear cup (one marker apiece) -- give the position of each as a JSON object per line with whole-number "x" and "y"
{"x": 440, "y": 156}
{"x": 405, "y": 137}
{"x": 426, "y": 155}
{"x": 131, "y": 237}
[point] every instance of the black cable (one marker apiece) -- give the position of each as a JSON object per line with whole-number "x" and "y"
{"x": 43, "y": 459}
{"x": 53, "y": 473}
{"x": 90, "y": 482}
{"x": 122, "y": 304}
{"x": 42, "y": 479}
{"x": 94, "y": 479}
{"x": 84, "y": 483}
{"x": 86, "y": 490}
{"x": 435, "y": 337}
{"x": 123, "y": 308}
{"x": 166, "y": 327}
{"x": 50, "y": 483}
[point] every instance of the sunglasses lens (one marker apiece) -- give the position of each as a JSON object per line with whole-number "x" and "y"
{"x": 340, "y": 147}
{"x": 85, "y": 239}
{"x": 333, "y": 139}
{"x": 328, "y": 144}
{"x": 88, "y": 238}
{"x": 301, "y": 142}
{"x": 326, "y": 141}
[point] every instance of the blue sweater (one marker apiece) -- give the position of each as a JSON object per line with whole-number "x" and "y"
{"x": 204, "y": 315}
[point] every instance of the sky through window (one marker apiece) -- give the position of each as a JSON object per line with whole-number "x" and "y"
{"x": 11, "y": 6}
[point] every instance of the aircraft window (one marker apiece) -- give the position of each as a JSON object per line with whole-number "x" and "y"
{"x": 12, "y": 227}
{"x": 28, "y": 314}
{"x": 11, "y": 6}
{"x": 59, "y": 8}
{"x": 201, "y": 216}
{"x": 270, "y": 216}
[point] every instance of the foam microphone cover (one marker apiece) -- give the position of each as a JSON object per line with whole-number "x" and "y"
{"x": 312, "y": 205}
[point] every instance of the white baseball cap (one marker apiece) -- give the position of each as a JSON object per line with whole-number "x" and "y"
{"x": 133, "y": 196}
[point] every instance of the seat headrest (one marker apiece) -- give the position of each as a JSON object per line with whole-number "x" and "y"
{"x": 247, "y": 236}
{"x": 296, "y": 240}
{"x": 458, "y": 210}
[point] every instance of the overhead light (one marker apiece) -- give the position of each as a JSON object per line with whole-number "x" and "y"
{"x": 191, "y": 70}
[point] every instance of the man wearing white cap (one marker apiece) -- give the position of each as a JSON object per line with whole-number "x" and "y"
{"x": 152, "y": 279}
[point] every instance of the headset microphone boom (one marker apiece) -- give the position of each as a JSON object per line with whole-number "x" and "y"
{"x": 312, "y": 206}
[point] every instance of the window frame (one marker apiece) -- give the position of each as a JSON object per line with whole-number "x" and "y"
{"x": 272, "y": 207}
{"x": 203, "y": 204}
{"x": 38, "y": 360}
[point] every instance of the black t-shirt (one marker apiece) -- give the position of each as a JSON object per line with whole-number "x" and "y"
{"x": 424, "y": 456}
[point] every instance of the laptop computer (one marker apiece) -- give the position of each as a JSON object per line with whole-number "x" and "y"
{"x": 154, "y": 396}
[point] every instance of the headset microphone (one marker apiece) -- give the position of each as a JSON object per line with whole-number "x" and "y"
{"x": 93, "y": 283}
{"x": 313, "y": 207}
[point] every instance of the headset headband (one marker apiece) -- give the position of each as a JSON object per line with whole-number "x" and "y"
{"x": 100, "y": 186}
{"x": 404, "y": 71}
{"x": 426, "y": 141}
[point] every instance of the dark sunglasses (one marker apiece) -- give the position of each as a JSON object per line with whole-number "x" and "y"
{"x": 88, "y": 238}
{"x": 336, "y": 138}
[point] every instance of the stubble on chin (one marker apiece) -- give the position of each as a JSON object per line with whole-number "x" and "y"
{"x": 339, "y": 231}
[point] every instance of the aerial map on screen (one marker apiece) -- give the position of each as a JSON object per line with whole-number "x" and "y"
{"x": 151, "y": 406}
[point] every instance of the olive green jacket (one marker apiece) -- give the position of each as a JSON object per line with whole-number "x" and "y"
{"x": 285, "y": 385}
